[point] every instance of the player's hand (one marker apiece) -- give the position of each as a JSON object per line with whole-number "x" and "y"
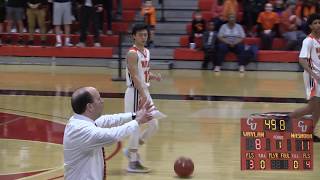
{"x": 156, "y": 77}
{"x": 145, "y": 113}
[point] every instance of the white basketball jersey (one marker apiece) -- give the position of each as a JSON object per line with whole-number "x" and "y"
{"x": 143, "y": 67}
{"x": 311, "y": 50}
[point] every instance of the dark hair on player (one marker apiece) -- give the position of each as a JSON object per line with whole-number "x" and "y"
{"x": 312, "y": 18}
{"x": 139, "y": 27}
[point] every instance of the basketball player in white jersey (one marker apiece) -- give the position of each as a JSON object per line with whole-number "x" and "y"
{"x": 309, "y": 59}
{"x": 138, "y": 78}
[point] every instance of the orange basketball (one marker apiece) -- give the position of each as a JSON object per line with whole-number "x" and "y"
{"x": 183, "y": 167}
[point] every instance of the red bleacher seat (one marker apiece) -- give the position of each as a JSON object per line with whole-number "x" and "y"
{"x": 207, "y": 15}
{"x": 106, "y": 40}
{"x": 118, "y": 27}
{"x": 263, "y": 55}
{"x": 128, "y": 4}
{"x": 187, "y": 54}
{"x": 205, "y": 5}
{"x": 37, "y": 51}
{"x": 128, "y": 15}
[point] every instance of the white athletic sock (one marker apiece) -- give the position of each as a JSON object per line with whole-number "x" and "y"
{"x": 58, "y": 38}
{"x": 133, "y": 156}
{"x": 67, "y": 40}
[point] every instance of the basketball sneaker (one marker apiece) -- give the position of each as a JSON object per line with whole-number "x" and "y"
{"x": 135, "y": 166}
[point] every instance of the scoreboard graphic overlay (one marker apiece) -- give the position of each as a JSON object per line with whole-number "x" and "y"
{"x": 272, "y": 141}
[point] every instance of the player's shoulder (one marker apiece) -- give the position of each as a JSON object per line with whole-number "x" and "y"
{"x": 309, "y": 39}
{"x": 132, "y": 51}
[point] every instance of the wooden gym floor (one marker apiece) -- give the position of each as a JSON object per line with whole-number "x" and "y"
{"x": 204, "y": 110}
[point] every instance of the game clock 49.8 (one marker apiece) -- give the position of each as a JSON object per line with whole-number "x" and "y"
{"x": 276, "y": 125}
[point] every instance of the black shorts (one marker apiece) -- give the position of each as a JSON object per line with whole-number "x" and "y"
{"x": 2, "y": 14}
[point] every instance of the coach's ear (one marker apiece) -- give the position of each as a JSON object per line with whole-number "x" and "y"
{"x": 89, "y": 107}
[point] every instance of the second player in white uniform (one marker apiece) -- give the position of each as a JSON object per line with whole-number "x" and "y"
{"x": 138, "y": 78}
{"x": 132, "y": 96}
{"x": 309, "y": 59}
{"x": 311, "y": 52}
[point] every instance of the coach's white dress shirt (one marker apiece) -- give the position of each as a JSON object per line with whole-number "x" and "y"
{"x": 83, "y": 142}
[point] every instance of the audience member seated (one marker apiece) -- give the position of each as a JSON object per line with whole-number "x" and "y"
{"x": 89, "y": 12}
{"x": 304, "y": 9}
{"x": 268, "y": 28}
{"x": 15, "y": 11}
{"x": 198, "y": 27}
{"x": 209, "y": 40}
{"x": 150, "y": 18}
{"x": 231, "y": 37}
{"x": 289, "y": 27}
{"x": 36, "y": 13}
{"x": 251, "y": 10}
{"x": 2, "y": 17}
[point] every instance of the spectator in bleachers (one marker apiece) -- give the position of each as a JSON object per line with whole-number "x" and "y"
{"x": 75, "y": 12}
{"x": 251, "y": 10}
{"x": 108, "y": 6}
{"x": 231, "y": 36}
{"x": 229, "y": 7}
{"x": 209, "y": 40}
{"x": 49, "y": 17}
{"x": 15, "y": 13}
{"x": 148, "y": 11}
{"x": 268, "y": 26}
{"x": 198, "y": 26}
{"x": 119, "y": 10}
{"x": 304, "y": 9}
{"x": 89, "y": 12}
{"x": 36, "y": 12}
{"x": 279, "y": 6}
{"x": 62, "y": 16}
{"x": 217, "y": 16}
{"x": 2, "y": 17}
{"x": 289, "y": 28}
